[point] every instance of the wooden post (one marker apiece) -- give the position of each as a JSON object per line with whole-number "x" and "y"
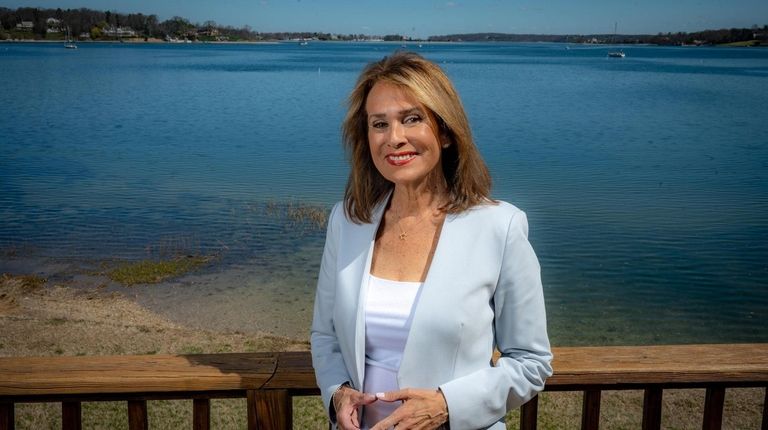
{"x": 765, "y": 411}
{"x": 590, "y": 413}
{"x": 713, "y": 408}
{"x": 529, "y": 412}
{"x": 7, "y": 420}
{"x": 201, "y": 414}
{"x": 71, "y": 416}
{"x": 250, "y": 405}
{"x": 652, "y": 408}
{"x": 137, "y": 415}
{"x": 269, "y": 410}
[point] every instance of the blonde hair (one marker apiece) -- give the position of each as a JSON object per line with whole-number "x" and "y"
{"x": 466, "y": 174}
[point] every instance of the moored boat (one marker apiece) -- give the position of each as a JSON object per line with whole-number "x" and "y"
{"x": 70, "y": 43}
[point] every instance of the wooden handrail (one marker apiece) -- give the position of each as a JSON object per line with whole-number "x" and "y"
{"x": 668, "y": 366}
{"x": 269, "y": 380}
{"x": 30, "y": 377}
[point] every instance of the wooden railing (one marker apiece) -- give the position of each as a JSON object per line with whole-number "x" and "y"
{"x": 270, "y": 380}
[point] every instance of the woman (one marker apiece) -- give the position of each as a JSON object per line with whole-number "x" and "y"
{"x": 423, "y": 275}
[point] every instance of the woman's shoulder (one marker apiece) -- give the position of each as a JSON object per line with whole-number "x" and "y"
{"x": 497, "y": 210}
{"x": 496, "y": 219}
{"x": 338, "y": 217}
{"x": 337, "y": 213}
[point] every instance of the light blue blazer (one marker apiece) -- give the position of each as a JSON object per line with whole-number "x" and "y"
{"x": 482, "y": 291}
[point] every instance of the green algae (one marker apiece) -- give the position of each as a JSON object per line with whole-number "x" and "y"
{"x": 152, "y": 271}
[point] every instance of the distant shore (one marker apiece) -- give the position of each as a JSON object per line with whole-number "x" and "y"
{"x": 148, "y": 41}
{"x": 155, "y": 41}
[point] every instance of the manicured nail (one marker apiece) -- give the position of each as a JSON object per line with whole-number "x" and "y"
{"x": 380, "y": 395}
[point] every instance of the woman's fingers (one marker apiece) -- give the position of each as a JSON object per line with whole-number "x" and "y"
{"x": 347, "y": 419}
{"x": 408, "y": 421}
{"x": 347, "y": 405}
{"x": 421, "y": 409}
{"x": 365, "y": 398}
{"x": 393, "y": 396}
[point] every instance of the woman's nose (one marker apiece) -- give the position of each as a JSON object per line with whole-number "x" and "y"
{"x": 396, "y": 135}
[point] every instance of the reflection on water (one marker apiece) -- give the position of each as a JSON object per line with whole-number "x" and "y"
{"x": 644, "y": 179}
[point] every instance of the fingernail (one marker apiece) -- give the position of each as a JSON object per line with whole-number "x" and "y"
{"x": 380, "y": 395}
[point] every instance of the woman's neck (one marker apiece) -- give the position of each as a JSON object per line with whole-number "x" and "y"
{"x": 416, "y": 200}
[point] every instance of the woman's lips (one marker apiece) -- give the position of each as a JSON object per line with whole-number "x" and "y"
{"x": 401, "y": 158}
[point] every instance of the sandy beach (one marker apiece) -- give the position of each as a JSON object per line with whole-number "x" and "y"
{"x": 41, "y": 320}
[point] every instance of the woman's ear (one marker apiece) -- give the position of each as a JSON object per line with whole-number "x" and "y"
{"x": 445, "y": 136}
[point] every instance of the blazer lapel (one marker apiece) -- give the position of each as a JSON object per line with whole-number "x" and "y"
{"x": 432, "y": 298}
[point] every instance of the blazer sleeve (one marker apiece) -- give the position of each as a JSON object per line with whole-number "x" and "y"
{"x": 327, "y": 360}
{"x": 481, "y": 398}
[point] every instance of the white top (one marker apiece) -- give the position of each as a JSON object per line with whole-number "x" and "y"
{"x": 388, "y": 315}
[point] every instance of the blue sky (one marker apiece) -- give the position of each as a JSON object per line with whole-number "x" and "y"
{"x": 435, "y": 17}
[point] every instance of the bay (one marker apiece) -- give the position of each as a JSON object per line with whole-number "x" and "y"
{"x": 644, "y": 178}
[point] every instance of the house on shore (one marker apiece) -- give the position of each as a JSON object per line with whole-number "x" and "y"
{"x": 118, "y": 32}
{"x": 25, "y": 26}
{"x": 53, "y": 25}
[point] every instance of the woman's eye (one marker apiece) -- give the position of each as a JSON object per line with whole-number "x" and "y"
{"x": 378, "y": 124}
{"x": 411, "y": 119}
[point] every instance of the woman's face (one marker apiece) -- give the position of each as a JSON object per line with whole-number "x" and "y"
{"x": 401, "y": 136}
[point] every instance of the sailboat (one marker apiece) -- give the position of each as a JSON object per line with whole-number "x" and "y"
{"x": 70, "y": 43}
{"x": 616, "y": 54}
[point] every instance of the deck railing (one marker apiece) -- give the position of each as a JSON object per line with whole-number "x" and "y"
{"x": 270, "y": 380}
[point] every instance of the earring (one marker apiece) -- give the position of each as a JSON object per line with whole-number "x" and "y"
{"x": 446, "y": 145}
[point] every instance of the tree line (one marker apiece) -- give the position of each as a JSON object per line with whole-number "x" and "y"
{"x": 706, "y": 37}
{"x": 93, "y": 22}
{"x": 81, "y": 20}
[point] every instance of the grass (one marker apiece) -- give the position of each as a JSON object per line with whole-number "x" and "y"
{"x": 152, "y": 272}
{"x": 299, "y": 214}
{"x": 56, "y": 321}
{"x": 745, "y": 43}
{"x": 12, "y": 285}
{"x": 682, "y": 409}
{"x": 25, "y": 282}
{"x": 191, "y": 349}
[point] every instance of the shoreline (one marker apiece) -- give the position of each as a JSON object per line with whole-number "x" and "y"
{"x": 201, "y": 297}
{"x": 92, "y": 320}
{"x": 254, "y": 297}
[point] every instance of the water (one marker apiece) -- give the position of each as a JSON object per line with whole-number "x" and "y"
{"x": 644, "y": 178}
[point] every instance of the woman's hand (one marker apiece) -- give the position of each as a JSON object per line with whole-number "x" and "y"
{"x": 347, "y": 402}
{"x": 421, "y": 409}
